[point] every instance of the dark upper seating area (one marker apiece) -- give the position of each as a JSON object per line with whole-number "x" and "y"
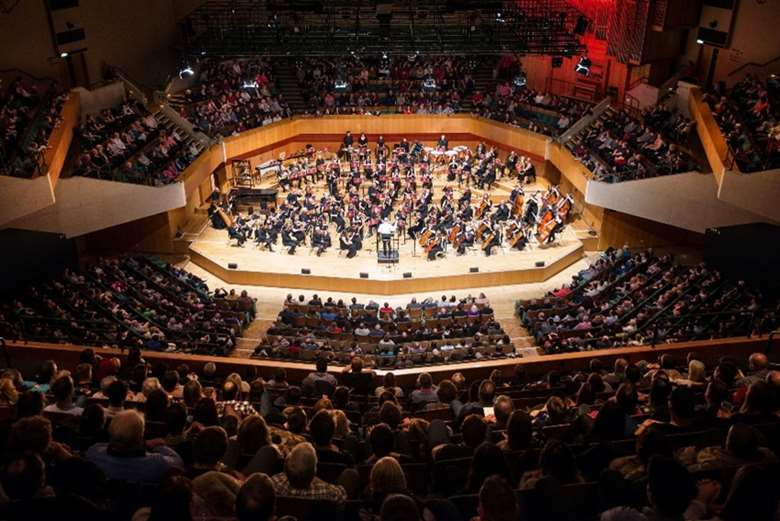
{"x": 121, "y": 437}
{"x": 617, "y": 146}
{"x": 133, "y": 301}
{"x": 421, "y": 333}
{"x": 29, "y": 112}
{"x": 233, "y": 96}
{"x": 408, "y": 85}
{"x": 626, "y": 298}
{"x": 748, "y": 116}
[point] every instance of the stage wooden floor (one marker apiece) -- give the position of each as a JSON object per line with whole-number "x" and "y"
{"x": 333, "y": 271}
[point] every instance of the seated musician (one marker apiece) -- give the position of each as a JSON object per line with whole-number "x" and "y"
{"x": 465, "y": 239}
{"x": 234, "y": 232}
{"x": 217, "y": 222}
{"x": 349, "y": 241}
{"x": 288, "y": 239}
{"x": 321, "y": 239}
{"x": 263, "y": 236}
{"x": 501, "y": 214}
{"x": 443, "y": 143}
{"x": 434, "y": 247}
{"x": 492, "y": 238}
{"x": 363, "y": 140}
{"x": 557, "y": 229}
{"x": 516, "y": 236}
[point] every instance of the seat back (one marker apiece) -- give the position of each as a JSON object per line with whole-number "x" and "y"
{"x": 304, "y": 509}
{"x": 330, "y": 472}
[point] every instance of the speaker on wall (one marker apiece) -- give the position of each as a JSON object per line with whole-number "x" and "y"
{"x": 305, "y": 271}
{"x": 363, "y": 275}
{"x": 232, "y": 265}
{"x": 408, "y": 275}
{"x": 473, "y": 269}
{"x": 539, "y": 264}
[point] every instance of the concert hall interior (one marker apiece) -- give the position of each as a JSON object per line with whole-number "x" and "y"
{"x": 390, "y": 260}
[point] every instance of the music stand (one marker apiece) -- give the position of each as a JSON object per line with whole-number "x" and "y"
{"x": 387, "y": 248}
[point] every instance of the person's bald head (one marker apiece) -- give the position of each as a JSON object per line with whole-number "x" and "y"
{"x": 758, "y": 362}
{"x": 127, "y": 431}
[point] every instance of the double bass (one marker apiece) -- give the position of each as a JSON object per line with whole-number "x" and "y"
{"x": 481, "y": 210}
{"x": 517, "y": 207}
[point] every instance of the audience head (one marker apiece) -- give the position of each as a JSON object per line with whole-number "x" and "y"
{"x": 126, "y": 431}
{"x": 474, "y": 430}
{"x": 387, "y": 477}
{"x": 488, "y": 460}
{"x": 322, "y": 428}
{"x": 256, "y": 500}
{"x": 390, "y": 413}
{"x": 487, "y": 391}
{"x": 497, "y": 501}
{"x": 381, "y": 439}
{"x": 300, "y": 466}
{"x": 62, "y": 389}
{"x": 252, "y": 434}
{"x": 753, "y": 495}
{"x": 670, "y": 488}
{"x": 399, "y": 507}
{"x": 23, "y": 476}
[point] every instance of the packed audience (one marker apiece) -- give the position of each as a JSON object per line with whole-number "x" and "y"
{"x": 635, "y": 298}
{"x": 428, "y": 332}
{"x": 652, "y": 440}
{"x": 127, "y": 143}
{"x": 128, "y": 302}
{"x": 407, "y": 85}
{"x": 618, "y": 147}
{"x": 233, "y": 96}
{"x": 27, "y": 119}
{"x": 749, "y": 118}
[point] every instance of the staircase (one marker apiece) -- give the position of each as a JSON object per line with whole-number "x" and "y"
{"x": 287, "y": 85}
{"x": 166, "y": 123}
{"x": 176, "y": 101}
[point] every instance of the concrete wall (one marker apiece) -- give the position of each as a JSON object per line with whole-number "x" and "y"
{"x": 84, "y": 205}
{"x": 687, "y": 201}
{"x": 19, "y": 197}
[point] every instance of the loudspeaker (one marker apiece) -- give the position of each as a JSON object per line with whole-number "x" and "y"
{"x": 557, "y": 62}
{"x": 363, "y": 275}
{"x": 232, "y": 265}
{"x": 408, "y": 275}
{"x": 305, "y": 271}
{"x": 539, "y": 264}
{"x": 474, "y": 270}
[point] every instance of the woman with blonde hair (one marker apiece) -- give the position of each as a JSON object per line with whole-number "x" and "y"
{"x": 8, "y": 393}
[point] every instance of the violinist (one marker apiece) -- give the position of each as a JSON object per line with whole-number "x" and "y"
{"x": 235, "y": 232}
{"x": 349, "y": 241}
{"x": 320, "y": 239}
{"x": 263, "y": 236}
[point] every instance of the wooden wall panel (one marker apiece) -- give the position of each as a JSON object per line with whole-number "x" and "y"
{"x": 61, "y": 137}
{"x": 712, "y": 140}
{"x": 619, "y": 229}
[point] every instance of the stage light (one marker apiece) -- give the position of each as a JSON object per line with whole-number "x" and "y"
{"x": 429, "y": 83}
{"x": 203, "y": 53}
{"x": 520, "y": 80}
{"x": 700, "y": 41}
{"x": 340, "y": 85}
{"x": 64, "y": 54}
{"x": 583, "y": 66}
{"x": 186, "y": 72}
{"x": 250, "y": 85}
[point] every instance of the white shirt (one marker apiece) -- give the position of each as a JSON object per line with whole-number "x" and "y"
{"x": 387, "y": 228}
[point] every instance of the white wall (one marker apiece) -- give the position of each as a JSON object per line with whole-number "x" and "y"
{"x": 86, "y": 205}
{"x": 760, "y": 192}
{"x": 686, "y": 201}
{"x": 19, "y": 197}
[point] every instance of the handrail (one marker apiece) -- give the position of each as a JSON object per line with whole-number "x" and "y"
{"x": 25, "y": 73}
{"x": 752, "y": 64}
{"x": 769, "y": 341}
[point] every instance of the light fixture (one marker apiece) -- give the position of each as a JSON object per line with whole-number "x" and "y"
{"x": 340, "y": 85}
{"x": 384, "y": 55}
{"x": 520, "y": 80}
{"x": 700, "y": 41}
{"x": 250, "y": 85}
{"x": 64, "y": 54}
{"x": 186, "y": 72}
{"x": 429, "y": 83}
{"x": 203, "y": 53}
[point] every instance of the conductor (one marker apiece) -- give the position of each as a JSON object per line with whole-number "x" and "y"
{"x": 386, "y": 231}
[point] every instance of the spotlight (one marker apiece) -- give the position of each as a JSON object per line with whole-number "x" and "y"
{"x": 203, "y": 53}
{"x": 583, "y": 66}
{"x": 520, "y": 80}
{"x": 384, "y": 55}
{"x": 700, "y": 41}
{"x": 250, "y": 85}
{"x": 64, "y": 54}
{"x": 186, "y": 72}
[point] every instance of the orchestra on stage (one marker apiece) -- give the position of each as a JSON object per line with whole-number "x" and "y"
{"x": 353, "y": 192}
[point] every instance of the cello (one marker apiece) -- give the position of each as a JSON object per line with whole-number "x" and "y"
{"x": 545, "y": 226}
{"x": 517, "y": 207}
